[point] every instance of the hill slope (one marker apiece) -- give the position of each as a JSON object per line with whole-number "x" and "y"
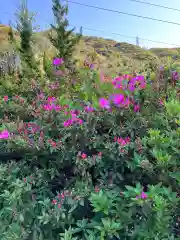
{"x": 109, "y": 55}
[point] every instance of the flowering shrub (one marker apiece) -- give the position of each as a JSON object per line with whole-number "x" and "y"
{"x": 97, "y": 162}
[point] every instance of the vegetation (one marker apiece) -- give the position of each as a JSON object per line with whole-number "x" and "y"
{"x": 63, "y": 41}
{"x": 89, "y": 156}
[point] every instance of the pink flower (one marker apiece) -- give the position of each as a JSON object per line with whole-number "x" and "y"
{"x": 48, "y": 107}
{"x": 57, "y": 108}
{"x": 88, "y": 109}
{"x": 58, "y": 61}
{"x": 54, "y": 201}
{"x": 142, "y": 85}
{"x": 62, "y": 195}
{"x": 4, "y": 134}
{"x": 5, "y": 98}
{"x": 80, "y": 121}
{"x": 119, "y": 86}
{"x": 59, "y": 195}
{"x": 117, "y": 82}
{"x": 175, "y": 76}
{"x": 51, "y": 99}
{"x": 142, "y": 196}
{"x": 68, "y": 123}
{"x": 53, "y": 144}
{"x": 118, "y": 99}
{"x": 140, "y": 78}
{"x": 122, "y": 142}
{"x": 100, "y": 154}
{"x": 117, "y": 79}
{"x": 127, "y": 139}
{"x": 136, "y": 107}
{"x": 161, "y": 102}
{"x": 77, "y": 112}
{"x": 126, "y": 102}
{"x": 131, "y": 86}
{"x": 83, "y": 155}
{"x": 104, "y": 103}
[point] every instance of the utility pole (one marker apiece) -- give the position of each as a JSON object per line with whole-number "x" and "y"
{"x": 137, "y": 41}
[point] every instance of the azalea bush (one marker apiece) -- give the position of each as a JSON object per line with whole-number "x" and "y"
{"x": 84, "y": 155}
{"x": 97, "y": 160}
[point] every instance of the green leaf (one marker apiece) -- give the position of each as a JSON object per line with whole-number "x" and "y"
{"x": 175, "y": 175}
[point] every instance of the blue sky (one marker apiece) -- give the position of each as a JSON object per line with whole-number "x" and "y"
{"x": 107, "y": 21}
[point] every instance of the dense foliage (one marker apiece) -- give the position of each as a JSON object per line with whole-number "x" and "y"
{"x": 86, "y": 157}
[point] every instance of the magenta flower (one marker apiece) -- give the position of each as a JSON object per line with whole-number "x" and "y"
{"x": 136, "y": 107}
{"x": 122, "y": 142}
{"x": 75, "y": 111}
{"x": 4, "y": 134}
{"x": 48, "y": 107}
{"x": 117, "y": 79}
{"x": 84, "y": 156}
{"x": 88, "y": 109}
{"x": 118, "y": 99}
{"x": 58, "y": 61}
{"x": 142, "y": 85}
{"x": 119, "y": 86}
{"x": 51, "y": 99}
{"x": 104, "y": 103}
{"x": 118, "y": 82}
{"x": 131, "y": 86}
{"x": 126, "y": 102}
{"x": 142, "y": 196}
{"x": 140, "y": 78}
{"x": 141, "y": 81}
{"x": 57, "y": 108}
{"x": 68, "y": 123}
{"x": 175, "y": 76}
{"x": 74, "y": 119}
{"x": 5, "y": 98}
{"x": 80, "y": 121}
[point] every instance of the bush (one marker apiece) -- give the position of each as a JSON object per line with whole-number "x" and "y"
{"x": 90, "y": 157}
{"x": 89, "y": 167}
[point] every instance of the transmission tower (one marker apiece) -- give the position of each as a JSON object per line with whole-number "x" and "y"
{"x": 137, "y": 41}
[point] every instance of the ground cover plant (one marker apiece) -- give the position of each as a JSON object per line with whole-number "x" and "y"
{"x": 84, "y": 156}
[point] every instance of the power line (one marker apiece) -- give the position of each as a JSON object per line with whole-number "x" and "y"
{"x": 155, "y": 5}
{"x": 125, "y": 13}
{"x": 118, "y": 34}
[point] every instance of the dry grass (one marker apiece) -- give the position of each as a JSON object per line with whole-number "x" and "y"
{"x": 109, "y": 55}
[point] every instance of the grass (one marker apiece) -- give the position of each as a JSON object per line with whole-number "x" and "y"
{"x": 108, "y": 55}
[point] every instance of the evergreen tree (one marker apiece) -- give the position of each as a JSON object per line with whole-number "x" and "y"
{"x": 24, "y": 27}
{"x": 62, "y": 39}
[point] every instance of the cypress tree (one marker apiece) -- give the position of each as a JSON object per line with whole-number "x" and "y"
{"x": 24, "y": 28}
{"x": 62, "y": 39}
